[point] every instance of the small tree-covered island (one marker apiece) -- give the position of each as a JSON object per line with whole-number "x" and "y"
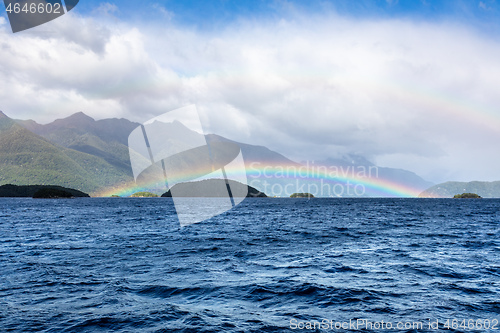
{"x": 467, "y": 196}
{"x": 144, "y": 195}
{"x": 302, "y": 195}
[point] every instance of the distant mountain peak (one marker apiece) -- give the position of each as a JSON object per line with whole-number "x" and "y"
{"x": 76, "y": 120}
{"x": 80, "y": 116}
{"x": 5, "y": 122}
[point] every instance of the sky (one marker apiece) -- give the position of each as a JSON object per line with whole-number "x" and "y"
{"x": 406, "y": 84}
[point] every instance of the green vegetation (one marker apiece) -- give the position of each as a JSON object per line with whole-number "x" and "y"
{"x": 29, "y": 159}
{"x": 449, "y": 189}
{"x": 144, "y": 195}
{"x": 302, "y": 195}
{"x": 115, "y": 196}
{"x": 467, "y": 196}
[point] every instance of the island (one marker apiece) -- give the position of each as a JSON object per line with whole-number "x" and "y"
{"x": 214, "y": 188}
{"x": 467, "y": 196}
{"x": 144, "y": 195}
{"x": 29, "y": 191}
{"x": 302, "y": 195}
{"x": 52, "y": 193}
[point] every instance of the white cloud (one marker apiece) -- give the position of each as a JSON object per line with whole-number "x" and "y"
{"x": 409, "y": 94}
{"x": 484, "y": 6}
{"x": 163, "y": 11}
{"x": 72, "y": 65}
{"x": 106, "y": 8}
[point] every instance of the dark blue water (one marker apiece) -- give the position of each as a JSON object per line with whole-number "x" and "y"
{"x": 124, "y": 265}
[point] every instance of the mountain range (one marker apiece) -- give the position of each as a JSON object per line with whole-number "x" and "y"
{"x": 449, "y": 189}
{"x": 93, "y": 156}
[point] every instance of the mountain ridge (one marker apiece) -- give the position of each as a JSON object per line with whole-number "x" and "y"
{"x": 451, "y": 188}
{"x": 27, "y": 158}
{"x": 99, "y": 150}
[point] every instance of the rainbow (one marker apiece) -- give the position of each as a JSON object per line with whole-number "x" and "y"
{"x": 376, "y": 185}
{"x": 434, "y": 103}
{"x": 123, "y": 190}
{"x": 257, "y": 172}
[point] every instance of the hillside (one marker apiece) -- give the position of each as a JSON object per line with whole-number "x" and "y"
{"x": 105, "y": 139}
{"x": 29, "y": 159}
{"x": 449, "y": 189}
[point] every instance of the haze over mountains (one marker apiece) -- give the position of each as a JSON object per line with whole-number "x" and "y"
{"x": 449, "y": 189}
{"x": 92, "y": 156}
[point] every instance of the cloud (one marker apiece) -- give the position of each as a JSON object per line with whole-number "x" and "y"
{"x": 408, "y": 94}
{"x": 106, "y": 8}
{"x": 72, "y": 65}
{"x": 482, "y": 5}
{"x": 168, "y": 15}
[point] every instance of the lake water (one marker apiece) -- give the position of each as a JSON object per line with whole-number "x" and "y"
{"x": 269, "y": 265}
